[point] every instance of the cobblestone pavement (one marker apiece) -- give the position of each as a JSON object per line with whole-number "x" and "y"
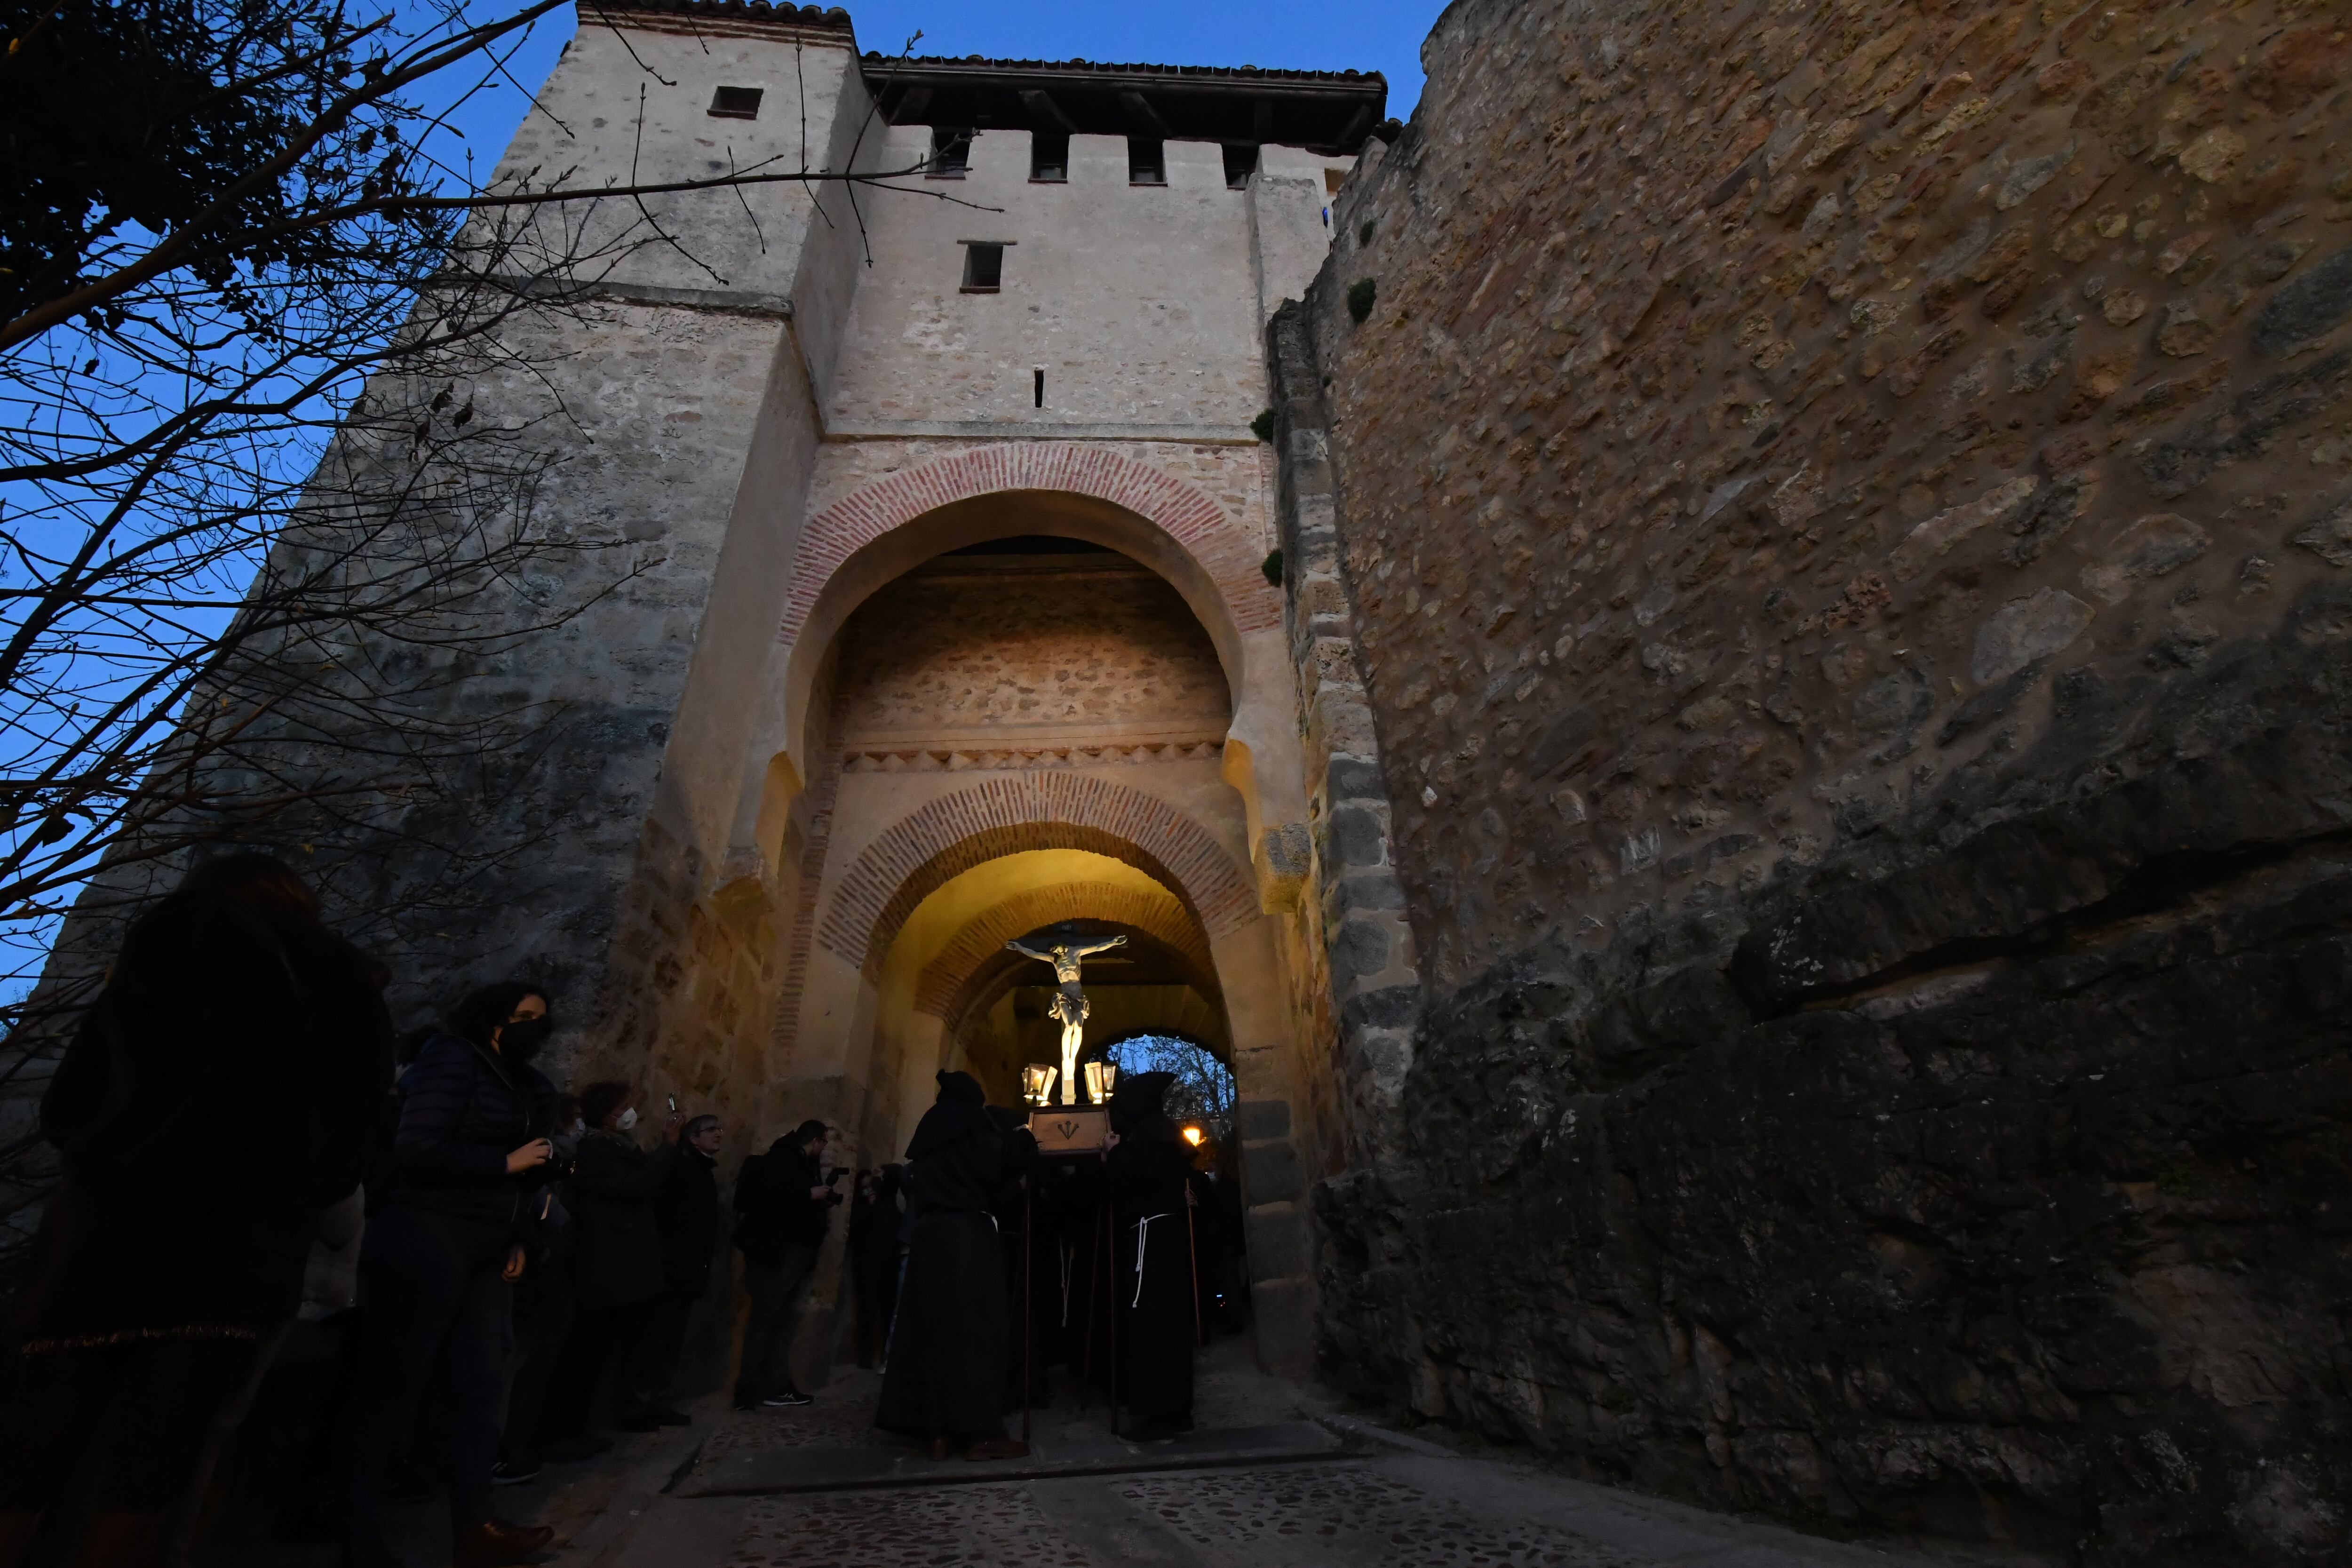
{"x": 1390, "y": 1501}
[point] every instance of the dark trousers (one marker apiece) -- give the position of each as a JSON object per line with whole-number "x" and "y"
{"x": 434, "y": 1304}
{"x": 767, "y": 1364}
{"x": 632, "y": 1332}
{"x": 542, "y": 1309}
{"x": 877, "y": 1298}
{"x": 672, "y": 1312}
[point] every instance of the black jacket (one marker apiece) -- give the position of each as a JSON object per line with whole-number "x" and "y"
{"x": 687, "y": 1216}
{"x": 462, "y": 1110}
{"x": 774, "y": 1211}
{"x": 616, "y": 1251}
{"x": 218, "y": 1095}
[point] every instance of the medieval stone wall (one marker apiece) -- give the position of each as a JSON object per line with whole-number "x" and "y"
{"x": 1842, "y": 511}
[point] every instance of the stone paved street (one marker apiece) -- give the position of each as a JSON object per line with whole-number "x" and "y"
{"x": 1377, "y": 1498}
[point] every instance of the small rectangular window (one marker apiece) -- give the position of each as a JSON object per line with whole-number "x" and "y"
{"x": 984, "y": 267}
{"x": 1049, "y": 157}
{"x": 1041, "y": 387}
{"x": 736, "y": 103}
{"x": 1241, "y": 163}
{"x": 950, "y": 153}
{"x": 1146, "y": 162}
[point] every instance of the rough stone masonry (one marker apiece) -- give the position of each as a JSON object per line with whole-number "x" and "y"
{"x": 1846, "y": 533}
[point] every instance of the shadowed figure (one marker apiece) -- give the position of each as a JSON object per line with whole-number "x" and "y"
{"x": 1070, "y": 1006}
{"x": 945, "y": 1378}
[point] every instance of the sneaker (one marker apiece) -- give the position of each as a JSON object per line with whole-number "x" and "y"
{"x": 514, "y": 1472}
{"x": 790, "y": 1398}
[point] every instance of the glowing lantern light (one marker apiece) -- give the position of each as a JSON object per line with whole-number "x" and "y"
{"x": 1100, "y": 1076}
{"x": 1037, "y": 1082}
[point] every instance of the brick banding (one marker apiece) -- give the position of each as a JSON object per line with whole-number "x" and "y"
{"x": 1157, "y": 913}
{"x": 1185, "y": 512}
{"x": 1017, "y": 811}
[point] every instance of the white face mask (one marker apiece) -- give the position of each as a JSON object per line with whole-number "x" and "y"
{"x": 628, "y": 1118}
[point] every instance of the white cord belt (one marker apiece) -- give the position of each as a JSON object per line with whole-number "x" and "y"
{"x": 1142, "y": 1240}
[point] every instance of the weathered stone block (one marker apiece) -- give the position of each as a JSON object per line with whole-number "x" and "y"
{"x": 1272, "y": 1172}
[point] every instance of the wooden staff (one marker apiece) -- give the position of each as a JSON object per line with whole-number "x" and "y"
{"x": 1192, "y": 1251}
{"x": 1110, "y": 1273}
{"x": 1028, "y": 1333}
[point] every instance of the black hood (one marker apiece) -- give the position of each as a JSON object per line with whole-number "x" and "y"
{"x": 1138, "y": 1099}
{"x": 960, "y": 1111}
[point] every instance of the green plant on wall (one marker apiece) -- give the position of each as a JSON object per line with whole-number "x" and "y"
{"x": 1272, "y": 567}
{"x": 1263, "y": 426}
{"x": 1361, "y": 294}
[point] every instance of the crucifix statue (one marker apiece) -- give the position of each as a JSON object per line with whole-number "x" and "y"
{"x": 1070, "y": 1003}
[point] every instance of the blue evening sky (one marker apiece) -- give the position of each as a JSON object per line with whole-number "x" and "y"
{"x": 1297, "y": 34}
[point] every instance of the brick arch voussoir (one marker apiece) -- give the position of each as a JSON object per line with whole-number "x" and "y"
{"x": 1016, "y": 812}
{"x": 1187, "y": 514}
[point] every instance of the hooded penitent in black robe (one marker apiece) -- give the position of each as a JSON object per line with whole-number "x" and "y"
{"x": 1152, "y": 1290}
{"x": 947, "y": 1354}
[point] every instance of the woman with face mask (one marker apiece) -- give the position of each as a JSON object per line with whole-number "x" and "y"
{"x": 441, "y": 1253}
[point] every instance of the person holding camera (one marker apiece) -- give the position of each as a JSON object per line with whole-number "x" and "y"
{"x": 436, "y": 1266}
{"x": 784, "y": 1201}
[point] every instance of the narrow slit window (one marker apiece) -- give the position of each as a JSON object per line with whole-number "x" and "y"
{"x": 1041, "y": 388}
{"x": 984, "y": 269}
{"x": 736, "y": 103}
{"x": 1049, "y": 157}
{"x": 1241, "y": 163}
{"x": 950, "y": 153}
{"x": 1146, "y": 162}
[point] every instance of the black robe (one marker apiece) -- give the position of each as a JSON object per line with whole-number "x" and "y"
{"x": 1071, "y": 1325}
{"x": 945, "y": 1378}
{"x": 1152, "y": 1289}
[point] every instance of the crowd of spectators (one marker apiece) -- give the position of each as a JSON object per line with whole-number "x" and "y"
{"x": 381, "y": 1271}
{"x": 297, "y": 1268}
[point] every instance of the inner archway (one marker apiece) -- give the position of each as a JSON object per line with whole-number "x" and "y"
{"x": 1031, "y": 730}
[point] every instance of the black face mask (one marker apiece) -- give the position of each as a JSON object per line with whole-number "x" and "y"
{"x": 520, "y": 1040}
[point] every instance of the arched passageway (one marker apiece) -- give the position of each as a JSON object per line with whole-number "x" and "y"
{"x": 1022, "y": 710}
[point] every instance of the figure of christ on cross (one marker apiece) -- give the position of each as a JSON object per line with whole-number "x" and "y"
{"x": 1070, "y": 1005}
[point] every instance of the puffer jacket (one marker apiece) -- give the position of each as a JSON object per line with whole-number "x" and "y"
{"x": 462, "y": 1111}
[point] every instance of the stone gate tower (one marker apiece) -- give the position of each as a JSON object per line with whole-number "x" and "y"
{"x": 932, "y": 603}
